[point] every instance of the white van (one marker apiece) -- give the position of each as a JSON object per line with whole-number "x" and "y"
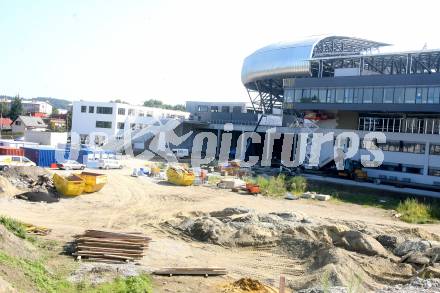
{"x": 10, "y": 161}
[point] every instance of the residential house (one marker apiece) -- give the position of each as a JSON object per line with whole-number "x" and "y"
{"x": 23, "y": 123}
{"x": 5, "y": 123}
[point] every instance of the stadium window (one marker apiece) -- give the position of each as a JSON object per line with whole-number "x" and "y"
{"x": 330, "y": 95}
{"x": 357, "y": 95}
{"x": 348, "y": 96}
{"x": 121, "y": 125}
{"x": 236, "y": 109}
{"x": 422, "y": 95}
{"x": 288, "y": 97}
{"x": 298, "y": 94}
{"x": 103, "y": 124}
{"x": 202, "y": 108}
{"x": 121, "y": 111}
{"x": 214, "y": 109}
{"x": 416, "y": 148}
{"x": 399, "y": 94}
{"x": 314, "y": 95}
{"x": 368, "y": 96}
{"x": 390, "y": 146}
{"x": 378, "y": 95}
{"x": 410, "y": 95}
{"x": 388, "y": 95}
{"x": 104, "y": 110}
{"x": 131, "y": 112}
{"x": 322, "y": 95}
{"x": 339, "y": 95}
{"x": 91, "y": 109}
{"x": 226, "y": 109}
{"x": 434, "y": 172}
{"x": 437, "y": 95}
{"x": 83, "y": 109}
{"x": 305, "y": 94}
{"x": 434, "y": 149}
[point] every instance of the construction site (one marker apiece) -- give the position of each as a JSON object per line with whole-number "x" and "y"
{"x": 314, "y": 169}
{"x": 213, "y": 233}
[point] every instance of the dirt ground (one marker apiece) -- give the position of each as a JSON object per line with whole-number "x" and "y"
{"x": 142, "y": 204}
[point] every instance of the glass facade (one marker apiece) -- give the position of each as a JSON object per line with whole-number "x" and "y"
{"x": 404, "y": 125}
{"x": 365, "y": 95}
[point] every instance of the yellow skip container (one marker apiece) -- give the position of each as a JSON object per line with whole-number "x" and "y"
{"x": 94, "y": 181}
{"x": 71, "y": 185}
{"x": 180, "y": 176}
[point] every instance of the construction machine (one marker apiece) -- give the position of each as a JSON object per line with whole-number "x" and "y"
{"x": 353, "y": 170}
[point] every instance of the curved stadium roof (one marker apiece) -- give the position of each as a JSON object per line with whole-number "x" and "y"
{"x": 292, "y": 59}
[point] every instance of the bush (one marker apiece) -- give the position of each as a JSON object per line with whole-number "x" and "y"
{"x": 414, "y": 212}
{"x": 297, "y": 184}
{"x": 135, "y": 284}
{"x": 272, "y": 186}
{"x": 14, "y": 226}
{"x": 214, "y": 180}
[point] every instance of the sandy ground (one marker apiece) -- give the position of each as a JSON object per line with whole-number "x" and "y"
{"x": 142, "y": 204}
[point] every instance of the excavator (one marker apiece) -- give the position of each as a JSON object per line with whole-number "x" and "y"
{"x": 353, "y": 170}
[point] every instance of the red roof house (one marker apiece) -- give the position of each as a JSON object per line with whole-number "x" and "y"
{"x": 5, "y": 123}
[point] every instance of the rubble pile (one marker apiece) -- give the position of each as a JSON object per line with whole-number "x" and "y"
{"x": 416, "y": 285}
{"x": 377, "y": 256}
{"x": 239, "y": 227}
{"x": 35, "y": 181}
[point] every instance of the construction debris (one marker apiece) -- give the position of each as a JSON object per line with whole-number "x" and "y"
{"x": 35, "y": 181}
{"x": 314, "y": 195}
{"x": 110, "y": 247}
{"x": 37, "y": 230}
{"x": 36, "y": 196}
{"x": 191, "y": 272}
{"x": 229, "y": 183}
{"x": 248, "y": 285}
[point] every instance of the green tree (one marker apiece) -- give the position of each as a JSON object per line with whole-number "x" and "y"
{"x": 118, "y": 101}
{"x": 55, "y": 111}
{"x": 69, "y": 121}
{"x": 154, "y": 103}
{"x": 16, "y": 108}
{"x": 159, "y": 104}
{"x": 3, "y": 109}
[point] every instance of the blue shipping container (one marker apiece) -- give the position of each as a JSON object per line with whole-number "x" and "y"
{"x": 45, "y": 156}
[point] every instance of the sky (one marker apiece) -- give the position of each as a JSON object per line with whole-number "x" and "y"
{"x": 177, "y": 51}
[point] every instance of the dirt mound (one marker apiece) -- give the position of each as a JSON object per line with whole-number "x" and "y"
{"x": 237, "y": 227}
{"x": 6, "y": 188}
{"x": 15, "y": 246}
{"x": 246, "y": 285}
{"x": 346, "y": 254}
{"x": 30, "y": 172}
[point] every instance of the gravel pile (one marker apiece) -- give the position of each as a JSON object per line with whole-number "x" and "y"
{"x": 417, "y": 285}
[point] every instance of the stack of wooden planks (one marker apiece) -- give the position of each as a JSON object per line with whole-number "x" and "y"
{"x": 110, "y": 247}
{"x": 191, "y": 272}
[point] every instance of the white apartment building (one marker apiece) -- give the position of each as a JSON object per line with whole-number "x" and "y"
{"x": 31, "y": 106}
{"x": 110, "y": 120}
{"x": 36, "y": 107}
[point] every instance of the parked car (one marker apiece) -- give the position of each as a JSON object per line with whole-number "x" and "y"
{"x": 71, "y": 165}
{"x": 8, "y": 161}
{"x": 109, "y": 164}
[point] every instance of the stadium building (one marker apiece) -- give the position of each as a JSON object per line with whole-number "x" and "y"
{"x": 336, "y": 84}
